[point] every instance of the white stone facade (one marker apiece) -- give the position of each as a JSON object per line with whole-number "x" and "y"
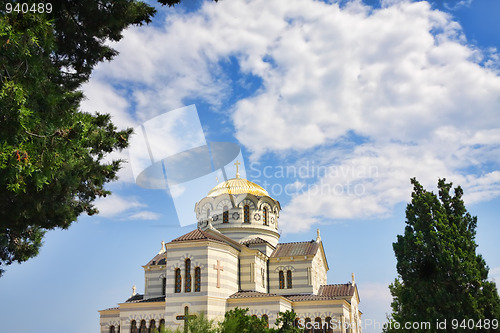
{"x": 233, "y": 259}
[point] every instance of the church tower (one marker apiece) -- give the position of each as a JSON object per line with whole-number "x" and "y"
{"x": 240, "y": 210}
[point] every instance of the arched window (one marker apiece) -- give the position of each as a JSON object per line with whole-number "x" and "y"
{"x": 225, "y": 215}
{"x": 289, "y": 279}
{"x": 112, "y": 329}
{"x": 266, "y": 319}
{"x": 187, "y": 276}
{"x": 178, "y": 280}
{"x": 143, "y": 328}
{"x": 133, "y": 326}
{"x": 317, "y": 326}
{"x": 162, "y": 325}
{"x": 328, "y": 325}
{"x": 265, "y": 217}
{"x": 197, "y": 279}
{"x": 282, "y": 280}
{"x": 152, "y": 326}
{"x": 246, "y": 214}
{"x": 208, "y": 213}
{"x": 308, "y": 325}
{"x": 164, "y": 286}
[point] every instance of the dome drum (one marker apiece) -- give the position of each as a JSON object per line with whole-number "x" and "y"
{"x": 241, "y": 209}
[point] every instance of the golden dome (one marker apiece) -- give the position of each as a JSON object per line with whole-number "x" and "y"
{"x": 237, "y": 186}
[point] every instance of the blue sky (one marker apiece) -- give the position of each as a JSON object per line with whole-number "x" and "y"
{"x": 374, "y": 93}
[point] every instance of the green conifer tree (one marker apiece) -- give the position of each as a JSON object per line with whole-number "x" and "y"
{"x": 53, "y": 156}
{"x": 441, "y": 277}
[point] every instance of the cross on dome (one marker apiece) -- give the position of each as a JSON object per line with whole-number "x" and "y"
{"x": 237, "y": 168}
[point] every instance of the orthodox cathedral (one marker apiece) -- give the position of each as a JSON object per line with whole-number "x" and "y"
{"x": 234, "y": 259}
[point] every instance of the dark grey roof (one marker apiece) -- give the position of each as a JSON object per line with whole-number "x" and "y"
{"x": 214, "y": 235}
{"x": 159, "y": 259}
{"x": 337, "y": 290}
{"x": 196, "y": 234}
{"x": 256, "y": 240}
{"x": 325, "y": 292}
{"x": 251, "y": 294}
{"x": 153, "y": 299}
{"x": 295, "y": 249}
{"x": 114, "y": 308}
{"x": 140, "y": 299}
{"x": 136, "y": 297}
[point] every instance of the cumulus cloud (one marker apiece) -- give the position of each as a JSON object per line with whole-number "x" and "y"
{"x": 145, "y": 215}
{"x": 101, "y": 97}
{"x": 398, "y": 73}
{"x": 494, "y": 275}
{"x": 396, "y": 91}
{"x": 115, "y": 205}
{"x": 376, "y": 299}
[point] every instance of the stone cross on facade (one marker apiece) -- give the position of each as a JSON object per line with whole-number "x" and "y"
{"x": 219, "y": 268}
{"x": 186, "y": 318}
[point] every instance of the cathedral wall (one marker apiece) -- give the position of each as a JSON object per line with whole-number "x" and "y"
{"x": 302, "y": 275}
{"x": 247, "y": 270}
{"x": 196, "y": 252}
{"x": 242, "y": 232}
{"x": 269, "y": 306}
{"x": 354, "y": 313}
{"x": 261, "y": 274}
{"x": 227, "y": 258}
{"x": 219, "y": 279}
{"x": 319, "y": 272}
{"x": 336, "y": 310}
{"x": 153, "y": 282}
{"x": 140, "y": 311}
{"x": 109, "y": 318}
{"x": 252, "y": 262}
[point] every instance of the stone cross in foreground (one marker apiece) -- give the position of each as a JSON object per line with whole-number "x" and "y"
{"x": 186, "y": 318}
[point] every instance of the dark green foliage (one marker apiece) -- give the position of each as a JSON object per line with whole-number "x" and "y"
{"x": 52, "y": 155}
{"x": 168, "y": 330}
{"x": 440, "y": 275}
{"x": 285, "y": 323}
{"x": 171, "y": 3}
{"x": 237, "y": 320}
{"x": 200, "y": 324}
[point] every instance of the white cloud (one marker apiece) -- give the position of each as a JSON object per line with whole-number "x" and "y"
{"x": 373, "y": 291}
{"x": 494, "y": 275}
{"x": 457, "y": 4}
{"x": 124, "y": 208}
{"x": 376, "y": 299}
{"x": 383, "y": 75}
{"x": 177, "y": 190}
{"x": 294, "y": 187}
{"x": 115, "y": 205}
{"x": 401, "y": 80}
{"x": 101, "y": 97}
{"x": 144, "y": 215}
